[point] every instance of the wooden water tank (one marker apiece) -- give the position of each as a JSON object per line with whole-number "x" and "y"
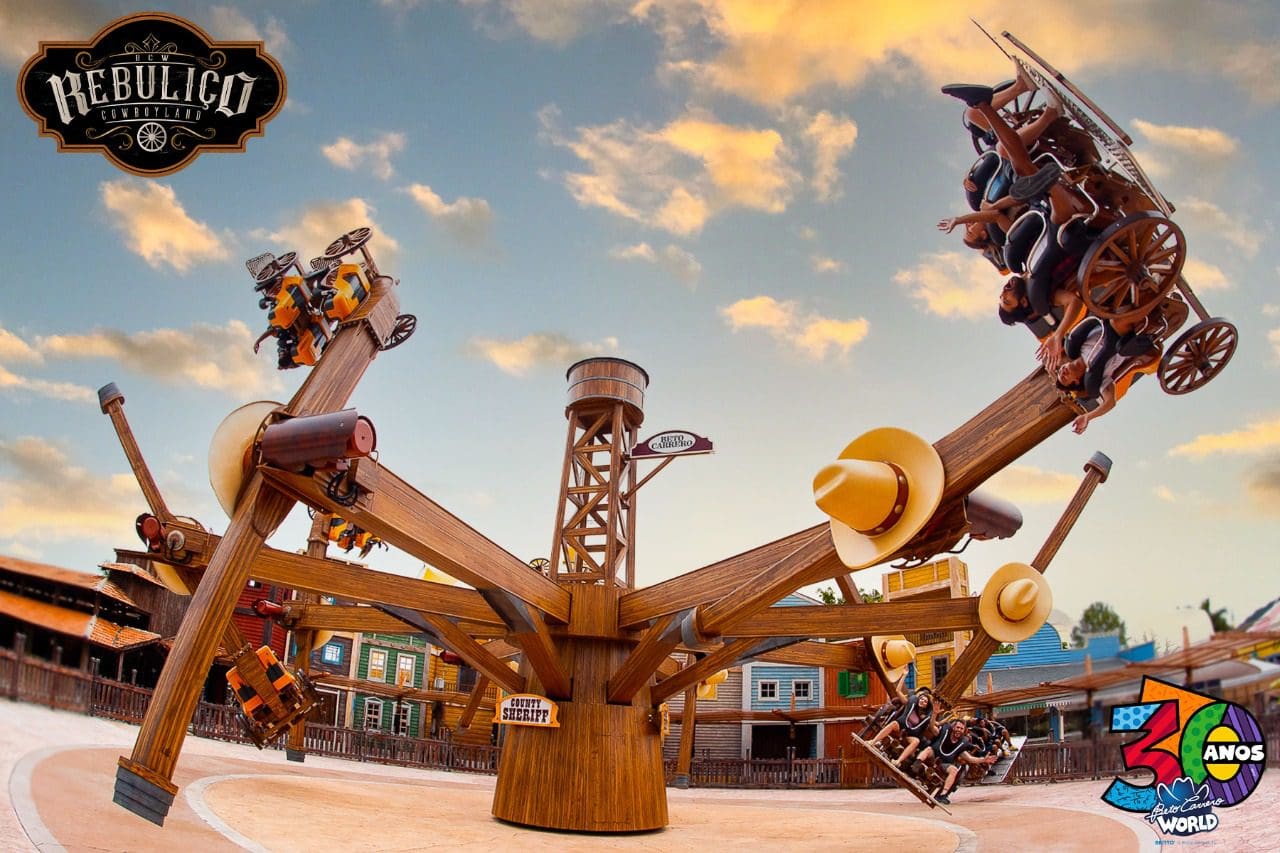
{"x": 605, "y": 380}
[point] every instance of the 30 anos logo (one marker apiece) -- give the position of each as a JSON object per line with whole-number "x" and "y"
{"x": 1202, "y": 752}
{"x": 151, "y": 92}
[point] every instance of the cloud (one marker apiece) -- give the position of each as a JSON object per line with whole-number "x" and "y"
{"x": 1205, "y": 276}
{"x": 953, "y": 284}
{"x": 25, "y": 23}
{"x": 555, "y": 350}
{"x": 157, "y": 227}
{"x": 673, "y": 260}
{"x": 1270, "y": 310}
{"x": 1204, "y": 142}
{"x": 14, "y": 348}
{"x": 678, "y": 176}
{"x": 555, "y": 21}
{"x": 1165, "y": 494}
{"x": 346, "y": 153}
{"x": 45, "y": 498}
{"x": 323, "y": 222}
{"x": 831, "y": 138}
{"x": 228, "y": 24}
{"x": 1273, "y": 337}
{"x": 1254, "y": 438}
{"x": 219, "y": 358}
{"x": 772, "y": 52}
{"x": 1263, "y": 484}
{"x": 1232, "y": 229}
{"x": 468, "y": 220}
{"x": 811, "y": 334}
{"x": 1025, "y": 484}
{"x": 822, "y": 263}
{"x": 54, "y": 390}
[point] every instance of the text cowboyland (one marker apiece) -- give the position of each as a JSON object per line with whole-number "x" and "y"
{"x": 528, "y": 710}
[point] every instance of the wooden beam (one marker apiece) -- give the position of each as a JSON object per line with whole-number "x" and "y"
{"x": 890, "y": 617}
{"x": 473, "y": 703}
{"x": 643, "y": 661}
{"x": 710, "y": 664}
{"x": 852, "y": 655}
{"x": 1020, "y": 419}
{"x": 983, "y": 646}
{"x": 527, "y": 629}
{"x": 477, "y": 656}
{"x": 402, "y": 516}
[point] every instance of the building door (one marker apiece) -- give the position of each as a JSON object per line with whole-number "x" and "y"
{"x": 772, "y": 741}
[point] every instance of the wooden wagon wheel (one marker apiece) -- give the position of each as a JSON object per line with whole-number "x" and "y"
{"x": 1198, "y": 356}
{"x": 406, "y": 325}
{"x": 348, "y": 243}
{"x": 1132, "y": 265}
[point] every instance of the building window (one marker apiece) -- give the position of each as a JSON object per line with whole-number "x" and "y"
{"x": 851, "y": 685}
{"x": 767, "y": 690}
{"x": 467, "y": 678}
{"x": 377, "y": 665}
{"x": 373, "y": 713}
{"x": 254, "y": 585}
{"x": 802, "y": 690}
{"x": 403, "y": 716}
{"x": 331, "y": 653}
{"x": 404, "y": 670}
{"x": 940, "y": 666}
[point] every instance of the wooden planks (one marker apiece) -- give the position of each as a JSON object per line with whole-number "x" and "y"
{"x": 889, "y": 617}
{"x": 901, "y": 779}
{"x": 409, "y": 520}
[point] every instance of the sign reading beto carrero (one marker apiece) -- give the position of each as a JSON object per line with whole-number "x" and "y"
{"x": 673, "y": 442}
{"x": 151, "y": 91}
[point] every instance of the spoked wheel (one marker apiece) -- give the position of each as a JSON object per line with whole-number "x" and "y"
{"x": 1132, "y": 266}
{"x": 1198, "y": 356}
{"x": 406, "y": 325}
{"x": 348, "y": 243}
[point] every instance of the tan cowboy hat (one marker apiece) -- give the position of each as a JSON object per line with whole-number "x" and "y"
{"x": 1015, "y": 603}
{"x": 894, "y": 654}
{"x": 229, "y": 451}
{"x": 879, "y": 493}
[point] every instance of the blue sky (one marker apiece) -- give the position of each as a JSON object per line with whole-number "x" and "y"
{"x": 739, "y": 196}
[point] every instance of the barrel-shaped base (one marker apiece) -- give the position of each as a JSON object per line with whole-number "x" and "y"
{"x": 600, "y": 771}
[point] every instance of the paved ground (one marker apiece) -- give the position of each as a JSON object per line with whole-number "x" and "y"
{"x": 56, "y": 772}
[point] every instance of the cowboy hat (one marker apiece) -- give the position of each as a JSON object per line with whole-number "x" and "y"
{"x": 1014, "y": 603}
{"x": 230, "y": 451}
{"x": 879, "y": 493}
{"x": 892, "y": 655}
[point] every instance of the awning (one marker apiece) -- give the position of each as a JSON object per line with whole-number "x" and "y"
{"x": 74, "y": 623}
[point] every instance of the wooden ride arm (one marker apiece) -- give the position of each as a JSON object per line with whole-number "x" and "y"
{"x": 1019, "y": 420}
{"x": 400, "y": 515}
{"x": 983, "y": 645}
{"x": 112, "y": 403}
{"x": 473, "y": 703}
{"x": 889, "y": 617}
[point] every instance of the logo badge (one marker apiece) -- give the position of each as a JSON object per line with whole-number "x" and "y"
{"x": 151, "y": 92}
{"x": 1203, "y": 753}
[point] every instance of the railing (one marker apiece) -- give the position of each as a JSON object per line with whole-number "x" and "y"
{"x": 763, "y": 772}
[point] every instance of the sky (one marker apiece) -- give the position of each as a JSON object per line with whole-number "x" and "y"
{"x": 738, "y": 195}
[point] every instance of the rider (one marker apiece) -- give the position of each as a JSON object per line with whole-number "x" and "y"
{"x": 952, "y": 747}
{"x": 1097, "y": 363}
{"x": 914, "y": 722}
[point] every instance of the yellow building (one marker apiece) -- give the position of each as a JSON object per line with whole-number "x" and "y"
{"x": 936, "y": 651}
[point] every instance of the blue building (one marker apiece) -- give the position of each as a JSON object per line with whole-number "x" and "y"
{"x": 774, "y": 687}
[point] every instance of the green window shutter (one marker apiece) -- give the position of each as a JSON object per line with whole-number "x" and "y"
{"x": 858, "y": 685}
{"x": 842, "y": 684}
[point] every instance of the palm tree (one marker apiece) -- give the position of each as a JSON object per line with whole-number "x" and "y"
{"x": 1217, "y": 617}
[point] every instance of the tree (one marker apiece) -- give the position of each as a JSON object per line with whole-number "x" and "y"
{"x": 830, "y": 596}
{"x": 1099, "y": 618}
{"x": 1217, "y": 617}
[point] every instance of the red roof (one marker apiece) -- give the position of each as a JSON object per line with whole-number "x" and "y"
{"x": 93, "y": 582}
{"x": 73, "y": 623}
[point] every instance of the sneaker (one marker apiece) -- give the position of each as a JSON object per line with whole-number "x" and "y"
{"x": 971, "y": 94}
{"x": 944, "y": 799}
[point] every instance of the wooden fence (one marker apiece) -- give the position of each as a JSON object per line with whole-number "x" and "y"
{"x": 40, "y": 682}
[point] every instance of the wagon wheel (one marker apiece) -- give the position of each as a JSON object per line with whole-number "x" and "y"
{"x": 1132, "y": 265}
{"x": 406, "y": 325}
{"x": 348, "y": 243}
{"x": 1198, "y": 356}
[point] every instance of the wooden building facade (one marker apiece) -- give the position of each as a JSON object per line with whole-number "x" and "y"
{"x": 936, "y": 651}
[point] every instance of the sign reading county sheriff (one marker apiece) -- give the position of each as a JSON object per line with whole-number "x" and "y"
{"x": 673, "y": 442}
{"x": 151, "y": 92}
{"x": 526, "y": 709}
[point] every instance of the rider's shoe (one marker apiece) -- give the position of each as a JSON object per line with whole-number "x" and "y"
{"x": 1033, "y": 186}
{"x": 971, "y": 93}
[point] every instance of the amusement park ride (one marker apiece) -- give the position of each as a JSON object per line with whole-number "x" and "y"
{"x": 589, "y": 640}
